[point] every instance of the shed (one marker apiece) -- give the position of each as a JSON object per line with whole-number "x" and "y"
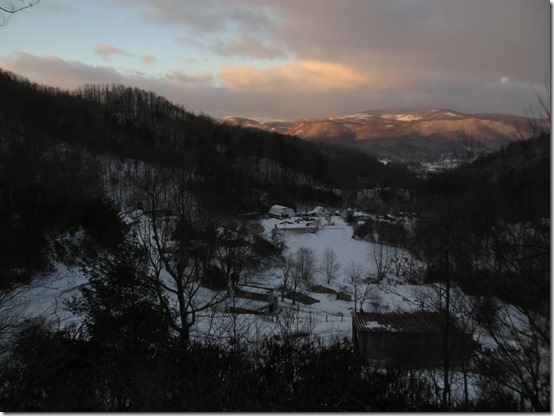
{"x": 405, "y": 337}
{"x": 280, "y": 211}
{"x": 344, "y": 296}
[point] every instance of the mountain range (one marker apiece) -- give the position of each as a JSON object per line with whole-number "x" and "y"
{"x": 422, "y": 135}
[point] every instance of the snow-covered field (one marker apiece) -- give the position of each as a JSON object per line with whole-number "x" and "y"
{"x": 329, "y": 318}
{"x": 45, "y": 297}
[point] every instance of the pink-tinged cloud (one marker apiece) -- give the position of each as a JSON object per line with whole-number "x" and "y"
{"x": 357, "y": 55}
{"x": 301, "y": 76}
{"x": 106, "y": 51}
{"x": 148, "y": 59}
{"x": 473, "y": 38}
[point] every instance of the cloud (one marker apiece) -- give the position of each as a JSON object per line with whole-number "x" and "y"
{"x": 106, "y": 51}
{"x": 478, "y": 37}
{"x": 346, "y": 57}
{"x": 473, "y": 35}
{"x": 148, "y": 59}
{"x": 299, "y": 76}
{"x": 54, "y": 71}
{"x": 194, "y": 90}
{"x": 248, "y": 48}
{"x": 207, "y": 16}
{"x": 238, "y": 28}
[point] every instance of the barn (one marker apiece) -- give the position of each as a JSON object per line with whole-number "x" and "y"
{"x": 404, "y": 337}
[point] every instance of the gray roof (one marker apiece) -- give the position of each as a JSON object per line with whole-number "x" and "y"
{"x": 421, "y": 322}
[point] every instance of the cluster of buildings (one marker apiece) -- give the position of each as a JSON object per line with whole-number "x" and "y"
{"x": 412, "y": 338}
{"x": 282, "y": 212}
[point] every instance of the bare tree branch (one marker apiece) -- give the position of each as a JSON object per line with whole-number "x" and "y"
{"x": 12, "y": 8}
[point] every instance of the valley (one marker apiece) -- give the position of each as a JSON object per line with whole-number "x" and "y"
{"x": 139, "y": 236}
{"x": 314, "y": 206}
{"x": 328, "y": 318}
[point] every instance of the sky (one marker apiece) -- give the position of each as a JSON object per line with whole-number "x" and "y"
{"x": 292, "y": 59}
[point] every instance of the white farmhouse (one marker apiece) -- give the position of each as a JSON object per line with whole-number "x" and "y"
{"x": 279, "y": 211}
{"x": 319, "y": 212}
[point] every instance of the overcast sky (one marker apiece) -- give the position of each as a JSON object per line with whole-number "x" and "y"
{"x": 290, "y": 59}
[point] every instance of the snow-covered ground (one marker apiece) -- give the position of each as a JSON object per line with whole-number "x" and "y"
{"x": 45, "y": 297}
{"x": 329, "y": 317}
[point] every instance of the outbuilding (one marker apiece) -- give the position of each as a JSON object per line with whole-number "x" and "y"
{"x": 405, "y": 337}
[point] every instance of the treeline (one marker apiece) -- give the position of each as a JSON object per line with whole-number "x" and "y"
{"x": 128, "y": 362}
{"x": 485, "y": 229}
{"x": 58, "y": 372}
{"x": 493, "y": 217}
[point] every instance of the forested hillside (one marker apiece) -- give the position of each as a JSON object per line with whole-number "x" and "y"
{"x": 131, "y": 123}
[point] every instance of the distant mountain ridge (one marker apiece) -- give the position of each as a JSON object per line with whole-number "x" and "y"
{"x": 417, "y": 135}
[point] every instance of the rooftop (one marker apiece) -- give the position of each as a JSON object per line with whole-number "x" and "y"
{"x": 407, "y": 322}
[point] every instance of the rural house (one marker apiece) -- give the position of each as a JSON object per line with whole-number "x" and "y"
{"x": 318, "y": 212}
{"x": 409, "y": 337}
{"x": 279, "y": 211}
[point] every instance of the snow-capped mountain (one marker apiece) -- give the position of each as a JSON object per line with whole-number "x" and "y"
{"x": 416, "y": 135}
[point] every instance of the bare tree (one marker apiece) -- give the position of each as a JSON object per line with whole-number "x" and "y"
{"x": 329, "y": 264}
{"x": 8, "y": 9}
{"x": 304, "y": 269}
{"x": 233, "y": 252}
{"x": 537, "y": 121}
{"x": 358, "y": 282}
{"x": 291, "y": 325}
{"x": 11, "y": 315}
{"x": 234, "y": 257}
{"x": 287, "y": 274}
{"x": 298, "y": 271}
{"x": 381, "y": 259}
{"x": 469, "y": 148}
{"x": 180, "y": 238}
{"x": 517, "y": 360}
